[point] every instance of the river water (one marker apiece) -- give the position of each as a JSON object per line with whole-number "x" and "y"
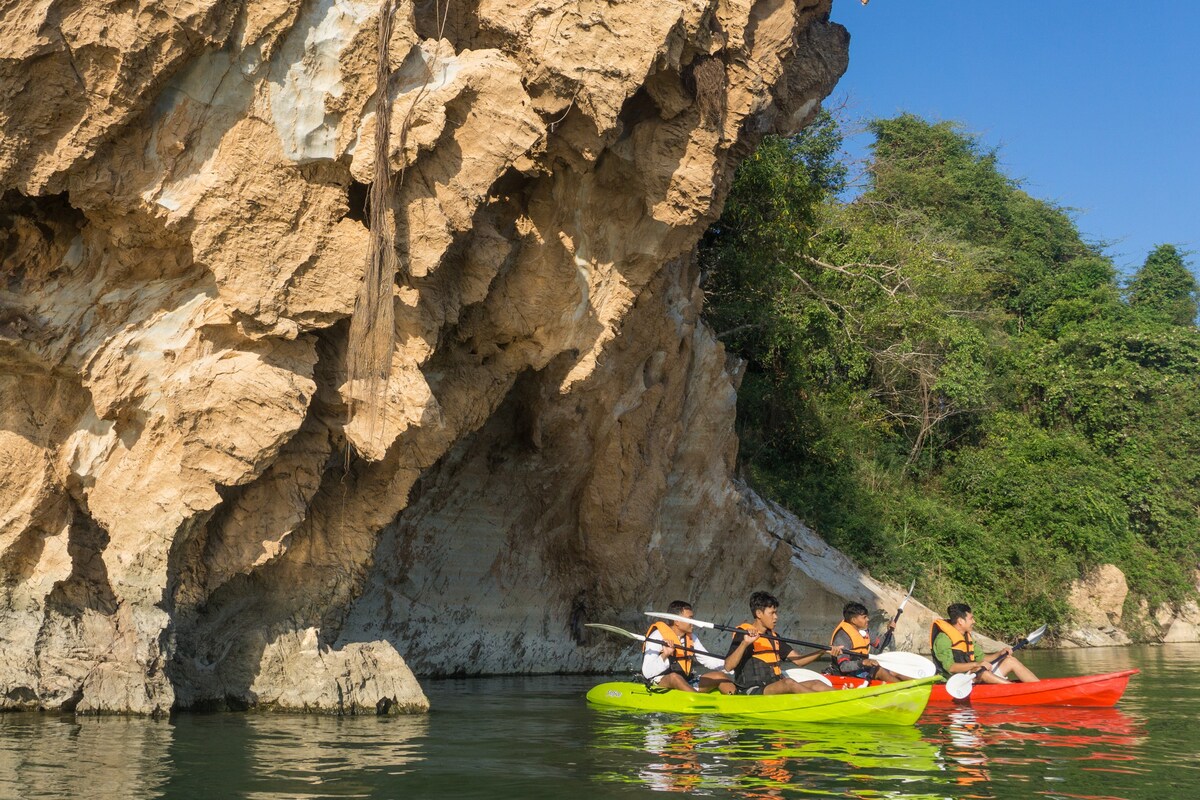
{"x": 536, "y": 738}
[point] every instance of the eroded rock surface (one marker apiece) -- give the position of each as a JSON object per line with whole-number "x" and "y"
{"x": 195, "y": 508}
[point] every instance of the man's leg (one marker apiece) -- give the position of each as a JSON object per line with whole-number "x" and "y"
{"x": 717, "y": 680}
{"x": 673, "y": 680}
{"x": 987, "y": 676}
{"x": 887, "y": 676}
{"x": 789, "y": 686}
{"x": 1013, "y": 668}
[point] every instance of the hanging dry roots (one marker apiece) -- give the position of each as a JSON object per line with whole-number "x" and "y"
{"x": 372, "y": 328}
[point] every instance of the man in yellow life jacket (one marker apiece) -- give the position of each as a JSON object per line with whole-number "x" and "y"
{"x": 955, "y": 650}
{"x": 853, "y": 636}
{"x": 670, "y": 651}
{"x": 756, "y": 655}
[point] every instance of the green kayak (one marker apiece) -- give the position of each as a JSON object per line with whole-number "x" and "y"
{"x": 888, "y": 704}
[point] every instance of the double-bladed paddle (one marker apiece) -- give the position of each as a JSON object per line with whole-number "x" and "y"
{"x": 638, "y": 637}
{"x": 960, "y": 683}
{"x": 910, "y": 665}
{"x": 798, "y": 674}
{"x": 887, "y": 639}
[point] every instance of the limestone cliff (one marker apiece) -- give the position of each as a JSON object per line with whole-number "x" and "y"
{"x": 196, "y": 506}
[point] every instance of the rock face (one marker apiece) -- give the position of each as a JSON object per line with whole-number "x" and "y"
{"x": 1097, "y": 603}
{"x": 197, "y": 507}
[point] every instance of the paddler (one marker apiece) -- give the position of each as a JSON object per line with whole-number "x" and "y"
{"x": 955, "y": 650}
{"x": 671, "y": 649}
{"x": 853, "y": 635}
{"x": 756, "y": 654}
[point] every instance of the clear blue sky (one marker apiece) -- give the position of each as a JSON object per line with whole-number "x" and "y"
{"x": 1094, "y": 104}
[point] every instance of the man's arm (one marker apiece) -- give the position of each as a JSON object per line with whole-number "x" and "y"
{"x": 844, "y": 663}
{"x": 737, "y": 650}
{"x": 654, "y": 661}
{"x": 702, "y": 655}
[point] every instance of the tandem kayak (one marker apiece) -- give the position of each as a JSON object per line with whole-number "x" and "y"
{"x": 1085, "y": 691}
{"x": 888, "y": 704}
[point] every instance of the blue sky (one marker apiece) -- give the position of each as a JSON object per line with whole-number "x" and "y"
{"x": 1094, "y": 104}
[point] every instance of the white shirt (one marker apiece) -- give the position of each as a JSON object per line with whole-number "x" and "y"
{"x": 654, "y": 662}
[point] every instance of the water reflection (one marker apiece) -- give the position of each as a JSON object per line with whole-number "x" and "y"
{"x": 59, "y": 757}
{"x": 704, "y": 755}
{"x": 989, "y": 749}
{"x": 264, "y": 757}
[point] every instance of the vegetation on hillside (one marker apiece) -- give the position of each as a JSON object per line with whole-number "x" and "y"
{"x": 947, "y": 381}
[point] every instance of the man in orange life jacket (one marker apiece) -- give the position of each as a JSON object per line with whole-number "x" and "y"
{"x": 853, "y": 636}
{"x": 671, "y": 649}
{"x": 954, "y": 649}
{"x": 756, "y": 655}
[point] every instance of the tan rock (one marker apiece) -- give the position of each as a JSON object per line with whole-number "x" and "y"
{"x": 1099, "y": 598}
{"x": 196, "y": 507}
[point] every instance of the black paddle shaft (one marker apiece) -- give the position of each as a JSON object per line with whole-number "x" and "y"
{"x": 801, "y": 642}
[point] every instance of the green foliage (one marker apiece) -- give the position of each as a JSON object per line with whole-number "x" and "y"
{"x": 943, "y": 377}
{"x": 1164, "y": 288}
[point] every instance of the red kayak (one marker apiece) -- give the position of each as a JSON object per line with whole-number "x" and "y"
{"x": 1092, "y": 691}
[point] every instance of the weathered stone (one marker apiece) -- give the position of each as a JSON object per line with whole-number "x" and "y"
{"x": 1098, "y": 598}
{"x": 194, "y": 507}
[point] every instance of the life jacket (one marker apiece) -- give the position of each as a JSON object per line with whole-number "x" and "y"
{"x": 764, "y": 649}
{"x": 677, "y": 657}
{"x": 858, "y": 642}
{"x": 962, "y": 646}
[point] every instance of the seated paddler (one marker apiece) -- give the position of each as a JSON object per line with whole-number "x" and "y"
{"x": 854, "y": 637}
{"x": 672, "y": 651}
{"x": 758, "y": 658}
{"x": 955, "y": 650}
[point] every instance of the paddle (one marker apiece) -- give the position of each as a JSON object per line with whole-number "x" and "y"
{"x": 798, "y": 674}
{"x": 1032, "y": 638}
{"x": 887, "y": 639}
{"x": 960, "y": 684}
{"x": 638, "y": 637}
{"x": 910, "y": 665}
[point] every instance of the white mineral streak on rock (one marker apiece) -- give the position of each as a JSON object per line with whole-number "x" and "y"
{"x": 312, "y": 57}
{"x": 187, "y": 513}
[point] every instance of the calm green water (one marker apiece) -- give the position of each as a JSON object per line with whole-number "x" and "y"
{"x": 535, "y": 738}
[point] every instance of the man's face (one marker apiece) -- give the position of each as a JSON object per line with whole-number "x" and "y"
{"x": 967, "y": 623}
{"x": 860, "y": 621}
{"x": 684, "y": 627}
{"x": 768, "y": 617}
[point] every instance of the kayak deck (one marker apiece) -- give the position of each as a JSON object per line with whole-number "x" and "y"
{"x": 889, "y": 704}
{"x": 1083, "y": 691}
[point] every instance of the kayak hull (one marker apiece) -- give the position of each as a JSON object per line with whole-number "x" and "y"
{"x": 1090, "y": 691}
{"x": 890, "y": 704}
{"x": 1081, "y": 691}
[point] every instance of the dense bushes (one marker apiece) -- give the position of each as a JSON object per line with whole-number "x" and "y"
{"x": 946, "y": 380}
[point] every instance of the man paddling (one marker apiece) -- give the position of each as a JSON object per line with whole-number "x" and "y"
{"x": 670, "y": 650}
{"x": 756, "y": 655}
{"x": 955, "y": 650}
{"x": 853, "y": 637}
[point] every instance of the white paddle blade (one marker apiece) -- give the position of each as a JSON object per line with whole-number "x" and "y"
{"x": 614, "y": 629}
{"x": 1034, "y": 637}
{"x": 664, "y": 615}
{"x": 907, "y": 665}
{"x": 960, "y": 685}
{"x": 800, "y": 675}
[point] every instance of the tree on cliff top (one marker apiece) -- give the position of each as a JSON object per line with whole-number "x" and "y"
{"x": 1165, "y": 288}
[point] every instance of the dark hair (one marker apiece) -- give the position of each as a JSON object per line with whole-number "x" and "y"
{"x": 761, "y": 601}
{"x": 956, "y": 611}
{"x": 677, "y": 607}
{"x": 852, "y": 610}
